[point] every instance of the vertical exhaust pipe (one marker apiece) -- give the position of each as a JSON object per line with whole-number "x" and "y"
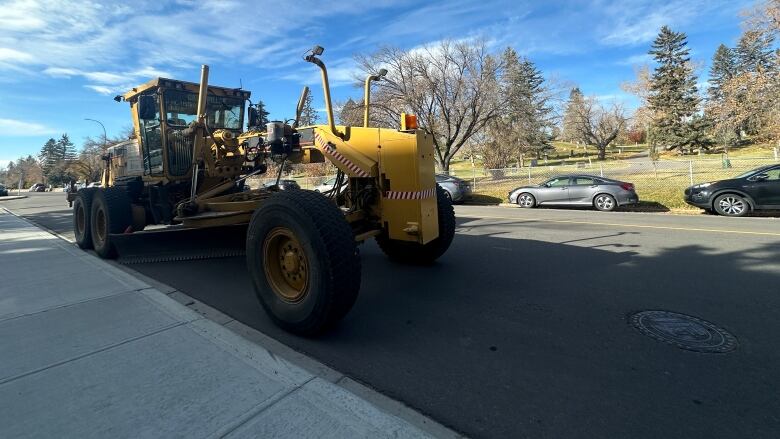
{"x": 299, "y": 108}
{"x": 367, "y": 94}
{"x": 203, "y": 92}
{"x": 312, "y": 58}
{"x": 200, "y": 138}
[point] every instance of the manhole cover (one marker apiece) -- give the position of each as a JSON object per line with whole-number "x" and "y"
{"x": 683, "y": 331}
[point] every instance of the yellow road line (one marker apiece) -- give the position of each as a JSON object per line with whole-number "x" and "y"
{"x": 641, "y": 226}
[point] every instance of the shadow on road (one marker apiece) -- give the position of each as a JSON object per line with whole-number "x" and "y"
{"x": 513, "y": 337}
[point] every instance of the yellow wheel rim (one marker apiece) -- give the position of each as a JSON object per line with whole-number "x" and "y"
{"x": 286, "y": 265}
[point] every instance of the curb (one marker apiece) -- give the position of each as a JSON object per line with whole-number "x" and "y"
{"x": 12, "y": 197}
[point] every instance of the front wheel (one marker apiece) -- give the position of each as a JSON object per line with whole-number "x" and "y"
{"x": 416, "y": 253}
{"x": 303, "y": 261}
{"x": 526, "y": 200}
{"x": 731, "y": 205}
{"x": 605, "y": 202}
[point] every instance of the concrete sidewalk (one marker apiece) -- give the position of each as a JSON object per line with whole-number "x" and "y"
{"x": 87, "y": 350}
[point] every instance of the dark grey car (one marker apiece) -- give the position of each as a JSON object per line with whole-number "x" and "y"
{"x": 457, "y": 189}
{"x": 576, "y": 190}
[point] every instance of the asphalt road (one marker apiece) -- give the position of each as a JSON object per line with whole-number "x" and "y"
{"x": 521, "y": 329}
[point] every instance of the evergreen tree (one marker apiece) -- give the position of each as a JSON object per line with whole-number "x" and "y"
{"x": 262, "y": 114}
{"x": 309, "y": 115}
{"x": 724, "y": 67}
{"x": 574, "y": 108}
{"x": 754, "y": 52}
{"x": 526, "y": 118}
{"x": 49, "y": 156}
{"x": 66, "y": 150}
{"x": 673, "y": 95}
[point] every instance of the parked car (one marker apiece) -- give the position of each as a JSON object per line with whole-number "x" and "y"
{"x": 283, "y": 184}
{"x": 457, "y": 189}
{"x": 758, "y": 189}
{"x": 576, "y": 190}
{"x": 3, "y": 191}
{"x": 327, "y": 185}
{"x": 37, "y": 187}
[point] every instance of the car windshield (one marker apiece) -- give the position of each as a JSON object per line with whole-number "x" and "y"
{"x": 221, "y": 112}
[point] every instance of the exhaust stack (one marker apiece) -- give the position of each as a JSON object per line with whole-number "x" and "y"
{"x": 301, "y": 103}
{"x": 367, "y": 94}
{"x": 312, "y": 58}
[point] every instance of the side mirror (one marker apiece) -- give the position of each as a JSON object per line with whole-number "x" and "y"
{"x": 252, "y": 117}
{"x": 760, "y": 177}
{"x": 147, "y": 107}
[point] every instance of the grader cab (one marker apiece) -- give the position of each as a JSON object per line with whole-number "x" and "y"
{"x": 188, "y": 164}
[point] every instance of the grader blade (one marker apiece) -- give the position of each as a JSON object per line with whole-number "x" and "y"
{"x": 180, "y": 244}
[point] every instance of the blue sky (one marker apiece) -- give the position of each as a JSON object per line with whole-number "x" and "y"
{"x": 63, "y": 60}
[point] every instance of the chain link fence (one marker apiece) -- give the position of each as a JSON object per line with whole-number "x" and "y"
{"x": 658, "y": 183}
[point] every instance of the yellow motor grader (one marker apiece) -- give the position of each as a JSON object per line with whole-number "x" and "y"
{"x": 190, "y": 158}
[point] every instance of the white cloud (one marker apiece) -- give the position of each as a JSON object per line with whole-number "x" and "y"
{"x": 105, "y": 77}
{"x": 632, "y": 22}
{"x": 60, "y": 72}
{"x": 88, "y": 39}
{"x": 12, "y": 55}
{"x": 634, "y": 60}
{"x": 13, "y": 127}
{"x": 102, "y": 89}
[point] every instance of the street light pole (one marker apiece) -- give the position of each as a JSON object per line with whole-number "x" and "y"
{"x": 105, "y": 138}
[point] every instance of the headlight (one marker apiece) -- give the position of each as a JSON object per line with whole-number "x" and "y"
{"x": 703, "y": 185}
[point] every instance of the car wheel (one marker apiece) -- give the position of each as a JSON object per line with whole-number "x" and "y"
{"x": 604, "y": 202}
{"x": 731, "y": 205}
{"x": 526, "y": 200}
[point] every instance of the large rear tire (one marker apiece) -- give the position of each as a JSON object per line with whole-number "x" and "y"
{"x": 416, "y": 253}
{"x": 303, "y": 261}
{"x": 111, "y": 214}
{"x": 82, "y": 221}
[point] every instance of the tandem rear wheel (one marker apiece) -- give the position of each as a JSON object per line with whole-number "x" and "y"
{"x": 111, "y": 213}
{"x": 303, "y": 261}
{"x": 82, "y": 214}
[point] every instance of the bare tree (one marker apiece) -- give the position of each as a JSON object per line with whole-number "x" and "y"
{"x": 640, "y": 87}
{"x": 452, "y": 88}
{"x": 598, "y": 125}
{"x": 89, "y": 165}
{"x": 351, "y": 113}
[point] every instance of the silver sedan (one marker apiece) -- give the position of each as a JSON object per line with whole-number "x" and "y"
{"x": 576, "y": 190}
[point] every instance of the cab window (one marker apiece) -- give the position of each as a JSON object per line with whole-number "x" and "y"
{"x": 181, "y": 109}
{"x": 151, "y": 140}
